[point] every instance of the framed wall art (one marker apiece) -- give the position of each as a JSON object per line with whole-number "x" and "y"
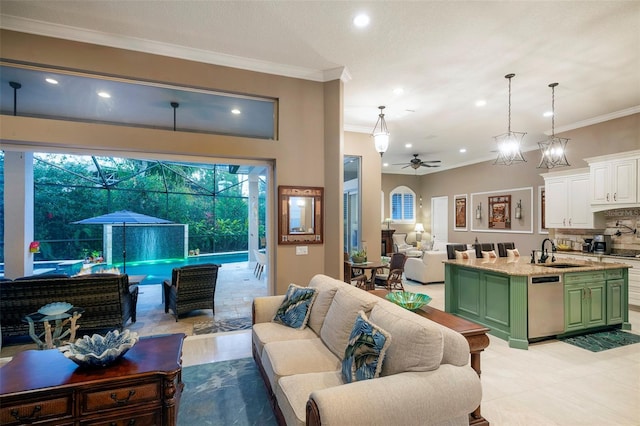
{"x": 504, "y": 210}
{"x": 542, "y": 227}
{"x": 460, "y": 212}
{"x": 500, "y": 212}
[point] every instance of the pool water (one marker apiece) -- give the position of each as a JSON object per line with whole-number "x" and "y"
{"x": 156, "y": 271}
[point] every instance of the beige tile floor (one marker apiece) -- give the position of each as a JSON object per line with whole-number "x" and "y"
{"x": 552, "y": 383}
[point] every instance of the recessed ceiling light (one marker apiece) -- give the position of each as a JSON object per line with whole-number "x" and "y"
{"x": 407, "y": 145}
{"x": 463, "y": 150}
{"x": 361, "y": 20}
{"x": 51, "y": 80}
{"x": 235, "y": 111}
{"x": 398, "y": 91}
{"x": 481, "y": 103}
{"x": 547, "y": 114}
{"x": 104, "y": 95}
{"x": 385, "y": 164}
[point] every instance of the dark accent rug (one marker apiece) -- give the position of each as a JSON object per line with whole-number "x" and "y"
{"x": 217, "y": 326}
{"x": 603, "y": 340}
{"x": 224, "y": 393}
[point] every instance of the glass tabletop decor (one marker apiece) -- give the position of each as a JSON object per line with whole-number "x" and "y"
{"x": 409, "y": 300}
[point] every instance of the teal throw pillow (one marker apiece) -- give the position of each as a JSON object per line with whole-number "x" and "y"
{"x": 365, "y": 351}
{"x": 296, "y": 306}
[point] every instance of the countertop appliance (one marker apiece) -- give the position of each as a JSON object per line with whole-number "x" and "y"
{"x": 587, "y": 246}
{"x": 602, "y": 244}
{"x": 546, "y": 306}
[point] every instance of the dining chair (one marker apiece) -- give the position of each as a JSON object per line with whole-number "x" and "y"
{"x": 391, "y": 277}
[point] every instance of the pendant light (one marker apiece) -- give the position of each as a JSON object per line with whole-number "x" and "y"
{"x": 509, "y": 144}
{"x": 381, "y": 133}
{"x": 552, "y": 150}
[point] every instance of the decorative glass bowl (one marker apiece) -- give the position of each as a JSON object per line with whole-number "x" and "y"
{"x": 55, "y": 308}
{"x": 409, "y": 300}
{"x": 100, "y": 351}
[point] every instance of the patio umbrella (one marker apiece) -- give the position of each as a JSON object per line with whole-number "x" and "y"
{"x": 123, "y": 217}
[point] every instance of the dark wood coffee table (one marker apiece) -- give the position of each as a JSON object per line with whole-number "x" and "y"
{"x": 475, "y": 334}
{"x": 144, "y": 387}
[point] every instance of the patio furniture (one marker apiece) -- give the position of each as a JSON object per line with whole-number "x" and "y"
{"x": 108, "y": 301}
{"x": 192, "y": 287}
{"x": 261, "y": 261}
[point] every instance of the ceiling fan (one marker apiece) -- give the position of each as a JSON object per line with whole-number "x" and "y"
{"x": 416, "y": 163}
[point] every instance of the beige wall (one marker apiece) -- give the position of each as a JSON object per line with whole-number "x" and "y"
{"x": 619, "y": 135}
{"x": 308, "y": 151}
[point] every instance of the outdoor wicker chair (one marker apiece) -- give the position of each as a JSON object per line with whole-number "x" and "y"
{"x": 191, "y": 287}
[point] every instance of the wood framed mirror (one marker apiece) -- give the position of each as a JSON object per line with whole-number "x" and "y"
{"x": 300, "y": 215}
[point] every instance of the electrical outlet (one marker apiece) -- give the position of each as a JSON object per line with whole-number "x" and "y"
{"x": 302, "y": 250}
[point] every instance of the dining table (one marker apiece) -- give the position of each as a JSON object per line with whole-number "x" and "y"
{"x": 373, "y": 266}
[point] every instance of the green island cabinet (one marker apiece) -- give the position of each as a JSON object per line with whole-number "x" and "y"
{"x": 497, "y": 300}
{"x": 593, "y": 299}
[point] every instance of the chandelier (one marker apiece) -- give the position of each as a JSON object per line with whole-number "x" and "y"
{"x": 509, "y": 143}
{"x": 553, "y": 149}
{"x": 381, "y": 133}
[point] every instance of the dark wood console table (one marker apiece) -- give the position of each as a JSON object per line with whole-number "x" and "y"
{"x": 475, "y": 334}
{"x": 142, "y": 388}
{"x": 387, "y": 241}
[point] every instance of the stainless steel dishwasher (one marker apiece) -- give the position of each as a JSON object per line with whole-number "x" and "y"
{"x": 546, "y": 306}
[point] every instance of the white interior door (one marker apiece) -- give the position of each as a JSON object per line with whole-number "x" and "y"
{"x": 440, "y": 219}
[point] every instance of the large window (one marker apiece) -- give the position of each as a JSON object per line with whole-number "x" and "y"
{"x": 403, "y": 205}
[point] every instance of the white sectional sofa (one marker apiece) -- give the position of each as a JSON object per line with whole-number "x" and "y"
{"x": 426, "y": 269}
{"x": 425, "y": 378}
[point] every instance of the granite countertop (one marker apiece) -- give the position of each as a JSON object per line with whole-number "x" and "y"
{"x": 522, "y": 266}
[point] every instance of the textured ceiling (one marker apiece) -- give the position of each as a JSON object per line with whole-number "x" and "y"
{"x": 446, "y": 55}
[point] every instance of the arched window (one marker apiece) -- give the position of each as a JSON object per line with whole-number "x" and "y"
{"x": 403, "y": 205}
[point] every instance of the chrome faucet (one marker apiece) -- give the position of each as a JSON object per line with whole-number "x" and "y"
{"x": 544, "y": 254}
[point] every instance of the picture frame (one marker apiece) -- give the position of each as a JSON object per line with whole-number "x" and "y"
{"x": 300, "y": 215}
{"x": 500, "y": 212}
{"x": 542, "y": 227}
{"x": 486, "y": 212}
{"x": 460, "y": 212}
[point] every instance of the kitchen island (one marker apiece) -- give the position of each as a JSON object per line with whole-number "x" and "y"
{"x": 558, "y": 299}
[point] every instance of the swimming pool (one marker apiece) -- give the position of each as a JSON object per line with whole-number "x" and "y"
{"x": 159, "y": 270}
{"x": 156, "y": 271}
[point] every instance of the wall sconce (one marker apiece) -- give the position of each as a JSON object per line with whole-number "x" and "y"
{"x": 518, "y": 214}
{"x": 419, "y": 230}
{"x": 479, "y": 211}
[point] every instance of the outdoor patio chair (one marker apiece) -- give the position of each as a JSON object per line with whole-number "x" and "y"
{"x": 261, "y": 261}
{"x": 192, "y": 287}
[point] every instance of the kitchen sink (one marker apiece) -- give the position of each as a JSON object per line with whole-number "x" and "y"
{"x": 560, "y": 265}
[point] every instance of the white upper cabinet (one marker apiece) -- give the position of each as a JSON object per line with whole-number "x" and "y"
{"x": 567, "y": 198}
{"x": 614, "y": 181}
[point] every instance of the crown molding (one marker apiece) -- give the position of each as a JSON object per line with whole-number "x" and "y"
{"x": 596, "y": 120}
{"x": 83, "y": 35}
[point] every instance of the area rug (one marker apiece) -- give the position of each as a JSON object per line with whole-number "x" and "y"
{"x": 220, "y": 325}
{"x": 603, "y": 340}
{"x": 224, "y": 393}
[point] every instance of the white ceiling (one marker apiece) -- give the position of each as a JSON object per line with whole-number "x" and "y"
{"x": 445, "y": 55}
